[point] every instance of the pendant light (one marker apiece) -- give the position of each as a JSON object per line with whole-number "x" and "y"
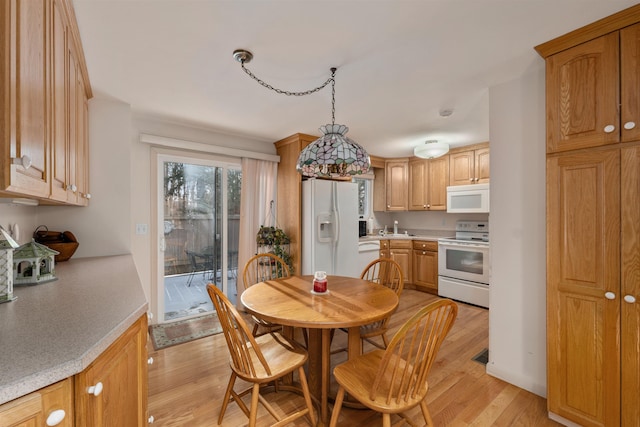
{"x": 333, "y": 154}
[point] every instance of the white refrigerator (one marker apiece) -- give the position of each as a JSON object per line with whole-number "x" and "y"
{"x": 330, "y": 227}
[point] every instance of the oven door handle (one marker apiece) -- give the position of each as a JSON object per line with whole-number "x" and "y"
{"x": 463, "y": 245}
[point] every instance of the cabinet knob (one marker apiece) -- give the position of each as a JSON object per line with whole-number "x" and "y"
{"x": 629, "y": 125}
{"x": 424, "y": 253}
{"x": 24, "y": 161}
{"x": 150, "y": 361}
{"x": 424, "y": 206}
{"x": 470, "y": 179}
{"x": 477, "y": 179}
{"x": 609, "y": 128}
{"x": 56, "y": 417}
{"x": 151, "y": 419}
{"x": 95, "y": 389}
{"x": 610, "y": 295}
{"x": 88, "y": 195}
{"x": 630, "y": 299}
{"x": 428, "y": 206}
{"x": 72, "y": 187}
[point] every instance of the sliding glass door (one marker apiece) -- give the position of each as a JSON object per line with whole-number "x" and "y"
{"x": 198, "y": 214}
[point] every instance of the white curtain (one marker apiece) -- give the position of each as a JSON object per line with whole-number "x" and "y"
{"x": 257, "y": 207}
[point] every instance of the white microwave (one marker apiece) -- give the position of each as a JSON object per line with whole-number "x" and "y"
{"x": 468, "y": 198}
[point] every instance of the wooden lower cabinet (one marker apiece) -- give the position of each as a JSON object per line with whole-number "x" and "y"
{"x": 425, "y": 265}
{"x": 400, "y": 252}
{"x": 50, "y": 406}
{"x": 121, "y": 373}
{"x": 117, "y": 380}
{"x": 418, "y": 260}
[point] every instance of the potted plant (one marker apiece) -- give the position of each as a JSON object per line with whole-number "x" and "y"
{"x": 275, "y": 240}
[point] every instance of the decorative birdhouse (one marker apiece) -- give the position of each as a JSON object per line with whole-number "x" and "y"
{"x": 7, "y": 245}
{"x": 33, "y": 263}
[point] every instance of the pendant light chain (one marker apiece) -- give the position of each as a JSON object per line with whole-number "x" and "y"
{"x": 286, "y": 92}
{"x": 333, "y": 96}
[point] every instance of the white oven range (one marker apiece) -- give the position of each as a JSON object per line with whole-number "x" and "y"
{"x": 463, "y": 264}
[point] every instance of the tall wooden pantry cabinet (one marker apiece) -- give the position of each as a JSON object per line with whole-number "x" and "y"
{"x": 593, "y": 222}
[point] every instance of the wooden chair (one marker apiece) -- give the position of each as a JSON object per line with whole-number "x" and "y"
{"x": 258, "y": 361}
{"x": 387, "y": 272}
{"x": 394, "y": 380}
{"x": 259, "y": 268}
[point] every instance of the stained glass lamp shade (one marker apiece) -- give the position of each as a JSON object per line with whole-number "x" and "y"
{"x": 333, "y": 154}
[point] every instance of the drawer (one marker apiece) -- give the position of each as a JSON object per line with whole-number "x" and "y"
{"x": 425, "y": 245}
{"x": 400, "y": 244}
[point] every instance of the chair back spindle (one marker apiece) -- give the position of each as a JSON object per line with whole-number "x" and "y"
{"x": 263, "y": 267}
{"x": 402, "y": 375}
{"x": 244, "y": 350}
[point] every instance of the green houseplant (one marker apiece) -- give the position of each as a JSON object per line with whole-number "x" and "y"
{"x": 275, "y": 240}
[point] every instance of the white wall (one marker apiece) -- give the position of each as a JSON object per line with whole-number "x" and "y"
{"x": 102, "y": 228}
{"x": 24, "y": 216}
{"x": 142, "y": 192}
{"x": 517, "y": 322}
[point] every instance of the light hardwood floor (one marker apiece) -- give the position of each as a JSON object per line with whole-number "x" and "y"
{"x": 187, "y": 382}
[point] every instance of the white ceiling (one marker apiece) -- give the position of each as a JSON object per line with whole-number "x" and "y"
{"x": 399, "y": 62}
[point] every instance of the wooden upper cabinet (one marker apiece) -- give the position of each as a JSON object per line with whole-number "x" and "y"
{"x": 396, "y": 174}
{"x": 582, "y": 95}
{"x": 469, "y": 166}
{"x": 585, "y": 86}
{"x": 630, "y": 75}
{"x": 59, "y": 88}
{"x": 428, "y": 180}
{"x": 38, "y": 37}
{"x": 23, "y": 120}
{"x": 69, "y": 181}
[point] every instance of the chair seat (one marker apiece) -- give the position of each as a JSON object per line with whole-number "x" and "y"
{"x": 284, "y": 356}
{"x": 357, "y": 377}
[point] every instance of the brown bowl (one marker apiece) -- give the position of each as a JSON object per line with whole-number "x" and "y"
{"x": 65, "y": 243}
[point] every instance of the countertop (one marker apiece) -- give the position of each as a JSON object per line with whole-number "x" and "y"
{"x": 411, "y": 235}
{"x": 54, "y": 330}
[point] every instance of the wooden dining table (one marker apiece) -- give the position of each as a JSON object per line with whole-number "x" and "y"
{"x": 349, "y": 303}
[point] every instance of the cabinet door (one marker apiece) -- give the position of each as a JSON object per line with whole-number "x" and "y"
{"x": 82, "y": 143}
{"x": 582, "y": 95}
{"x": 630, "y": 76}
{"x": 23, "y": 120}
{"x": 425, "y": 270}
{"x": 396, "y": 185}
{"x": 121, "y": 372}
{"x": 481, "y": 166}
{"x": 41, "y": 408}
{"x": 403, "y": 258}
{"x": 418, "y": 182}
{"x": 630, "y": 283}
{"x": 461, "y": 168}
{"x": 59, "y": 142}
{"x": 438, "y": 179}
{"x": 583, "y": 288}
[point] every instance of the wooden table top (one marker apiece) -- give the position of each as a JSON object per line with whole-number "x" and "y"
{"x": 350, "y": 302}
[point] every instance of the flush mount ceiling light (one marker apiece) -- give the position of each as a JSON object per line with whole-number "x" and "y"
{"x": 331, "y": 155}
{"x": 431, "y": 149}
